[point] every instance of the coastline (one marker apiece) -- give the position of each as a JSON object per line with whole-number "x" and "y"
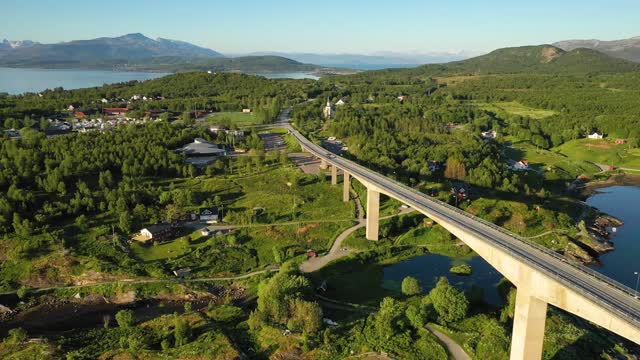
{"x": 622, "y": 179}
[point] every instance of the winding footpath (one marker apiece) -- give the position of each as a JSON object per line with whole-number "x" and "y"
{"x": 337, "y": 251}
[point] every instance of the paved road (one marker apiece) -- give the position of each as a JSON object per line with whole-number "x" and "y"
{"x": 604, "y": 291}
{"x": 455, "y": 350}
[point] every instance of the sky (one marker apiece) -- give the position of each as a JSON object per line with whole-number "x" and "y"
{"x": 330, "y": 26}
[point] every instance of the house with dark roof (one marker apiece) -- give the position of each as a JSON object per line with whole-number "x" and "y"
{"x": 209, "y": 214}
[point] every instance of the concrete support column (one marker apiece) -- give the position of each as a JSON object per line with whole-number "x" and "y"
{"x": 528, "y": 327}
{"x": 346, "y": 187}
{"x": 323, "y": 164}
{"x": 334, "y": 175}
{"x": 373, "y": 214}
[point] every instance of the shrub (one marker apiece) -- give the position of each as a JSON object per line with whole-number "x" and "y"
{"x": 411, "y": 286}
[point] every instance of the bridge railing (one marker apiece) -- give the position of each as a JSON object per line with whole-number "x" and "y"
{"x": 588, "y": 271}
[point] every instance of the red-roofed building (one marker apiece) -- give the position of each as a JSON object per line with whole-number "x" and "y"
{"x": 115, "y": 111}
{"x": 80, "y": 115}
{"x": 521, "y": 165}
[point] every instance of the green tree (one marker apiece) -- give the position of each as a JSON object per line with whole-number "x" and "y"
{"x": 125, "y": 318}
{"x": 411, "y": 286}
{"x": 306, "y": 316}
{"x": 124, "y": 222}
{"x": 181, "y": 331}
{"x": 449, "y": 302}
{"x": 16, "y": 336}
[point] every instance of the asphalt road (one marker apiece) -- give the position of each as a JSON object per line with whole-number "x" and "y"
{"x": 611, "y": 295}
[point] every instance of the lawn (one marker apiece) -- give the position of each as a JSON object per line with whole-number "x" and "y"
{"x": 277, "y": 208}
{"x": 239, "y": 119}
{"x": 514, "y": 108}
{"x": 601, "y": 152}
{"x": 544, "y": 160}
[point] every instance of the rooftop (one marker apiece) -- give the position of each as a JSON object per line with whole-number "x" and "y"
{"x": 201, "y": 147}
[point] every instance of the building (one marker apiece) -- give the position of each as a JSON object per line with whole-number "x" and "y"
{"x": 246, "y": 110}
{"x": 521, "y": 165}
{"x": 115, "y": 111}
{"x": 201, "y": 147}
{"x": 80, "y": 115}
{"x": 595, "y": 136}
{"x": 340, "y": 102}
{"x": 156, "y": 232}
{"x": 489, "y": 135}
{"x": 403, "y": 98}
{"x": 328, "y": 110}
{"x": 71, "y": 107}
{"x": 621, "y": 141}
{"x": 104, "y": 101}
{"x": 182, "y": 272}
{"x": 209, "y": 214}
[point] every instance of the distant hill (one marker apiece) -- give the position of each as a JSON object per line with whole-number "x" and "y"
{"x": 79, "y": 53}
{"x": 540, "y": 59}
{"x": 628, "y": 49}
{"x": 368, "y": 62}
{"x": 245, "y": 64}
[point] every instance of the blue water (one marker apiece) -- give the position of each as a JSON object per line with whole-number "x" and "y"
{"x": 18, "y": 81}
{"x": 291, "y": 75}
{"x": 429, "y": 268}
{"x": 621, "y": 202}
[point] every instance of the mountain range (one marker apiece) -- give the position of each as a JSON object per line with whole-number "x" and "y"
{"x": 138, "y": 52}
{"x": 368, "y": 62}
{"x": 628, "y": 49}
{"x": 81, "y": 52}
{"x": 539, "y": 59}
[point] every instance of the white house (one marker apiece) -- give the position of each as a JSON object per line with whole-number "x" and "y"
{"x": 136, "y": 97}
{"x": 246, "y": 110}
{"x": 71, "y": 108}
{"x": 340, "y": 102}
{"x": 595, "y": 136}
{"x": 520, "y": 165}
{"x": 104, "y": 101}
{"x": 491, "y": 134}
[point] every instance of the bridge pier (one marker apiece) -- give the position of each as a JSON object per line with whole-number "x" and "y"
{"x": 373, "y": 214}
{"x": 323, "y": 164}
{"x": 334, "y": 175}
{"x": 346, "y": 186}
{"x": 528, "y": 327}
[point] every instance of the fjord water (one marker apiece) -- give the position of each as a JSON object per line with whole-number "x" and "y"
{"x": 622, "y": 202}
{"x": 18, "y": 81}
{"x": 429, "y": 268}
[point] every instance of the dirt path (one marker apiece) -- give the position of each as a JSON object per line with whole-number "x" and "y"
{"x": 454, "y": 349}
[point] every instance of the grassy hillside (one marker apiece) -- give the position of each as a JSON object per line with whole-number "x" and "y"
{"x": 540, "y": 59}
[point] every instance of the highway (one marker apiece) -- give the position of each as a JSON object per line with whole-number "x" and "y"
{"x": 602, "y": 290}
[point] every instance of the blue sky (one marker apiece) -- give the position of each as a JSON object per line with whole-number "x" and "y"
{"x": 330, "y": 26}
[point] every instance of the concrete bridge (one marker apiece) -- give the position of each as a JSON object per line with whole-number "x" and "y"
{"x": 541, "y": 276}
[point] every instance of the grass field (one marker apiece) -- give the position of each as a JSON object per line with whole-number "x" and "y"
{"x": 601, "y": 152}
{"x": 549, "y": 161}
{"x": 514, "y": 108}
{"x": 236, "y": 118}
